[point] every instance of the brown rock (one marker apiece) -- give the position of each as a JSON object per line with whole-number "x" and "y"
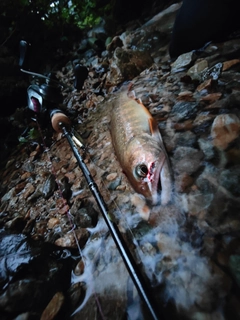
{"x": 68, "y": 240}
{"x": 122, "y": 187}
{"x": 25, "y": 175}
{"x": 71, "y": 176}
{"x": 195, "y": 71}
{"x": 53, "y": 307}
{"x": 183, "y": 61}
{"x": 52, "y": 223}
{"x": 19, "y": 187}
{"x": 64, "y": 209}
{"x": 225, "y": 129}
{"x": 29, "y": 189}
{"x": 183, "y": 126}
{"x": 127, "y": 64}
{"x": 183, "y": 182}
{"x": 112, "y": 176}
{"x": 187, "y": 160}
{"x": 79, "y": 269}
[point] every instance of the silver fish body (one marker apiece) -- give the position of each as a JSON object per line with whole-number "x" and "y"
{"x": 140, "y": 150}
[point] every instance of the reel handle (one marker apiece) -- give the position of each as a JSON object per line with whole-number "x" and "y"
{"x": 24, "y": 49}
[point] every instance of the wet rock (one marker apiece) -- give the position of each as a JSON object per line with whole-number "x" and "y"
{"x": 207, "y": 148}
{"x": 229, "y": 48}
{"x": 79, "y": 269}
{"x": 184, "y": 110}
{"x": 116, "y": 42}
{"x": 186, "y": 139}
{"x": 65, "y": 187}
{"x": 49, "y": 187}
{"x": 23, "y": 316}
{"x": 114, "y": 310}
{"x": 35, "y": 195}
{"x": 233, "y": 156}
{"x": 213, "y": 72}
{"x": 230, "y": 179}
{"x": 83, "y": 219}
{"x": 198, "y": 204}
{"x": 33, "y": 273}
{"x": 11, "y": 193}
{"x": 69, "y": 241}
{"x": 53, "y": 307}
{"x": 183, "y": 61}
{"x": 154, "y": 35}
{"x": 20, "y": 187}
{"x": 28, "y": 227}
{"x": 28, "y": 190}
{"x": 111, "y": 176}
{"x": 195, "y": 71}
{"x": 114, "y": 184}
{"x": 127, "y": 64}
{"x": 40, "y": 229}
{"x": 21, "y": 295}
{"x": 187, "y": 160}
{"x": 225, "y": 129}
{"x": 204, "y": 183}
{"x": 183, "y": 182}
{"x": 225, "y": 283}
{"x": 75, "y": 296}
{"x": 84, "y": 213}
{"x": 202, "y": 122}
{"x": 9, "y": 163}
{"x": 28, "y": 166}
{"x": 16, "y": 224}
{"x": 53, "y": 222}
{"x": 234, "y": 264}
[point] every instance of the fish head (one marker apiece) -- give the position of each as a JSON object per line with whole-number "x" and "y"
{"x": 144, "y": 170}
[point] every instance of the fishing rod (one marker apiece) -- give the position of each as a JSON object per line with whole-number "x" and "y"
{"x": 61, "y": 123}
{"x": 44, "y": 96}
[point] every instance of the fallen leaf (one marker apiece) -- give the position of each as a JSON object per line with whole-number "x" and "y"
{"x": 212, "y": 97}
{"x": 205, "y": 85}
{"x": 228, "y": 64}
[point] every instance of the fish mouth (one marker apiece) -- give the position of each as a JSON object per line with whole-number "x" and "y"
{"x": 154, "y": 181}
{"x": 160, "y": 182}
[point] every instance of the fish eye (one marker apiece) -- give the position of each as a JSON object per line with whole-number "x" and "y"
{"x": 141, "y": 171}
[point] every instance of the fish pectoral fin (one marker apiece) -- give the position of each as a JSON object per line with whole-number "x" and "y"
{"x": 157, "y": 135}
{"x": 153, "y": 126}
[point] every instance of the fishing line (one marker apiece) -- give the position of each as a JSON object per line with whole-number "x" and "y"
{"x": 90, "y": 276}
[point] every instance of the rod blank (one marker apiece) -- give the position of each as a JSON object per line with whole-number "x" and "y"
{"x": 137, "y": 278}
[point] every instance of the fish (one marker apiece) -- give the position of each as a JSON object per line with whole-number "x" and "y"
{"x": 140, "y": 150}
